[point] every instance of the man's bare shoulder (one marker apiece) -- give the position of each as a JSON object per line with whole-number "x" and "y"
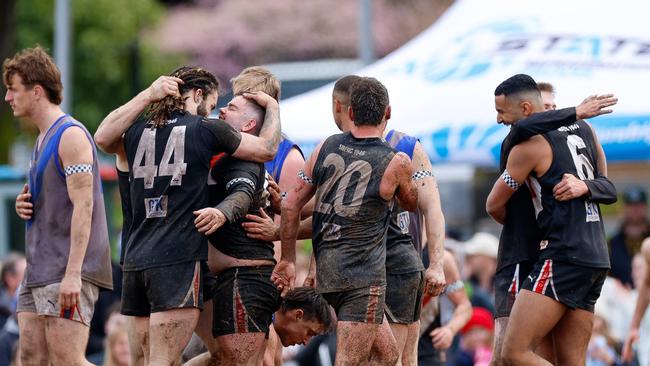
{"x": 400, "y": 162}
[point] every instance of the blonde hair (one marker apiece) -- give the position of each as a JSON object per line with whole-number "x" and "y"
{"x": 109, "y": 343}
{"x": 256, "y": 78}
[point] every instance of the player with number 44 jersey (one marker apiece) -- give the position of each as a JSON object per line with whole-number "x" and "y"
{"x": 167, "y": 187}
{"x": 168, "y": 154}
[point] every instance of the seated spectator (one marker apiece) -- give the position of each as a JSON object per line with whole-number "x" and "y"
{"x": 114, "y": 322}
{"x": 106, "y": 303}
{"x": 481, "y": 260}
{"x": 13, "y": 270}
{"x": 476, "y": 342}
{"x": 618, "y": 300}
{"x": 117, "y": 342}
{"x": 8, "y": 340}
{"x": 442, "y": 317}
{"x": 480, "y": 266}
{"x": 600, "y": 351}
{"x": 627, "y": 241}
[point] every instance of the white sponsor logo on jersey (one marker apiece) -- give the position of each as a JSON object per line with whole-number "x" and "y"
{"x": 156, "y": 207}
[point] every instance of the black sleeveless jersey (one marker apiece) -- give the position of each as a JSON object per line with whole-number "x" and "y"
{"x": 127, "y": 214}
{"x": 572, "y": 231}
{"x": 403, "y": 236}
{"x": 169, "y": 170}
{"x": 232, "y": 175}
{"x": 520, "y": 235}
{"x": 350, "y": 218}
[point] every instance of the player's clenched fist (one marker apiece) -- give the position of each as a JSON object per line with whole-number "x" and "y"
{"x": 24, "y": 208}
{"x": 434, "y": 281}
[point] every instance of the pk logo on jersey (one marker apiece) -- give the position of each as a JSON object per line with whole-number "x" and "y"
{"x": 156, "y": 207}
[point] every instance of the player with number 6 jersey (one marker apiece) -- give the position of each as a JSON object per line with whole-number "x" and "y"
{"x": 561, "y": 290}
{"x": 572, "y": 231}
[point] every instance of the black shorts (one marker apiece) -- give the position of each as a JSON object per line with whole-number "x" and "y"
{"x": 507, "y": 283}
{"x": 157, "y": 289}
{"x": 362, "y": 305}
{"x": 244, "y": 301}
{"x": 209, "y": 282}
{"x": 575, "y": 286}
{"x": 404, "y": 297}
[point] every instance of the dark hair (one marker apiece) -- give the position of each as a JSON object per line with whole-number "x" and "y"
{"x": 193, "y": 78}
{"x": 516, "y": 84}
{"x": 342, "y": 87}
{"x": 313, "y": 305}
{"x": 9, "y": 265}
{"x": 35, "y": 67}
{"x": 368, "y": 99}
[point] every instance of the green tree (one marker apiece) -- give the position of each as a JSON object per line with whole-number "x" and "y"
{"x": 109, "y": 63}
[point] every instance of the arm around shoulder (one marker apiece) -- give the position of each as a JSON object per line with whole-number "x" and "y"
{"x": 521, "y": 161}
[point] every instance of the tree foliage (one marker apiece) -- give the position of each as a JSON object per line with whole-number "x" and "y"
{"x": 109, "y": 64}
{"x": 227, "y": 35}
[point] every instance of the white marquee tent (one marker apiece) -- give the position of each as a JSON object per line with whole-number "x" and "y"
{"x": 441, "y": 83}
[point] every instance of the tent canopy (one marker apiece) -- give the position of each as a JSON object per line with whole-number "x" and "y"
{"x": 441, "y": 83}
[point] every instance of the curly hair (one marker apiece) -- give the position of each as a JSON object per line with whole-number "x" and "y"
{"x": 35, "y": 67}
{"x": 193, "y": 78}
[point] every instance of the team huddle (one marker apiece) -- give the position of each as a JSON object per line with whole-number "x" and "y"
{"x": 204, "y": 199}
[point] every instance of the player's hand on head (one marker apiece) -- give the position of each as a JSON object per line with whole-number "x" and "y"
{"x": 442, "y": 338}
{"x": 627, "y": 352}
{"x": 434, "y": 281}
{"x": 24, "y": 208}
{"x": 164, "y": 86}
{"x": 284, "y": 276}
{"x": 70, "y": 290}
{"x": 570, "y": 187}
{"x": 595, "y": 105}
{"x": 261, "y": 227}
{"x": 261, "y": 98}
{"x": 209, "y": 220}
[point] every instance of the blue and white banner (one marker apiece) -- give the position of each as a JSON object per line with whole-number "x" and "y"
{"x": 441, "y": 83}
